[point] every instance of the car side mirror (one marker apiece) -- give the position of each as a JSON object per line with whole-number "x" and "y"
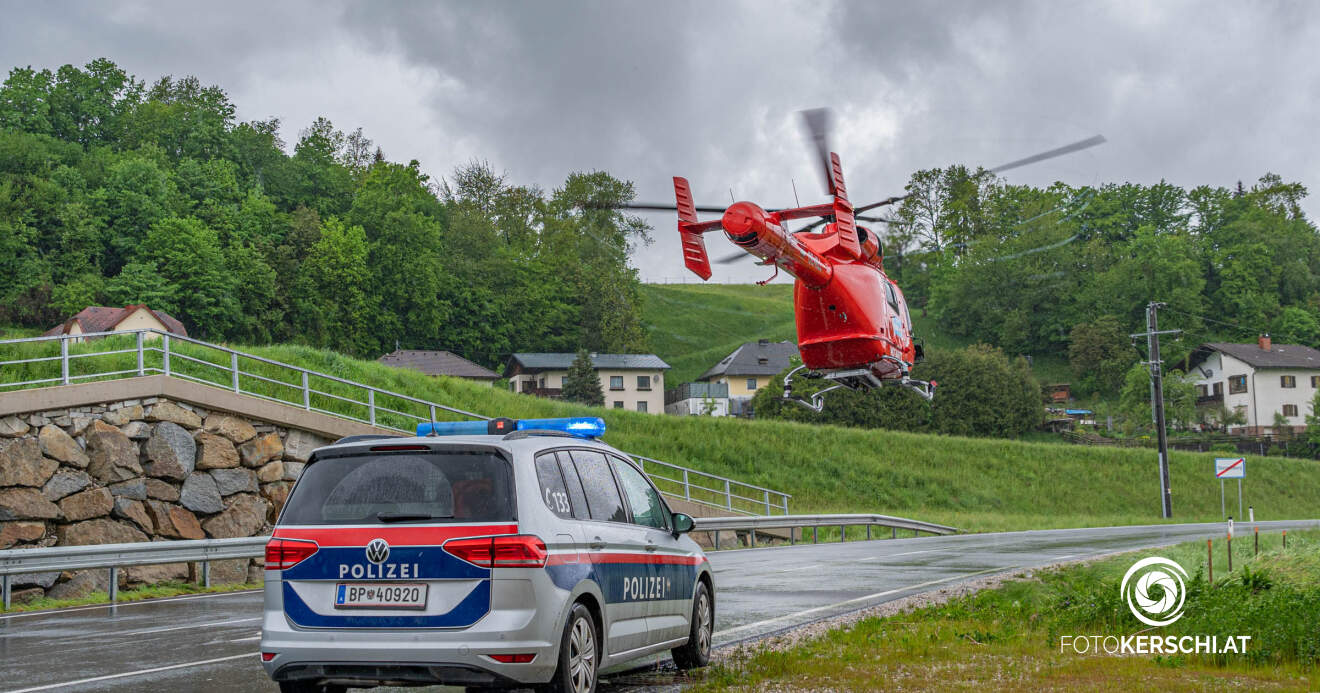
{"x": 682, "y": 524}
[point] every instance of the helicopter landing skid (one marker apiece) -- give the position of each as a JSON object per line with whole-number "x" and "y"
{"x": 853, "y": 379}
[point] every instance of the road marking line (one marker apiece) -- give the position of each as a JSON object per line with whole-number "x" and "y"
{"x": 254, "y": 637}
{"x": 892, "y": 555}
{"x": 126, "y": 674}
{"x": 858, "y": 600}
{"x": 195, "y": 625}
{"x": 789, "y": 570}
{"x": 57, "y": 612}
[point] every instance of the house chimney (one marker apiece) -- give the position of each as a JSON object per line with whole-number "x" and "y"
{"x": 763, "y": 342}
{"x": 1264, "y": 342}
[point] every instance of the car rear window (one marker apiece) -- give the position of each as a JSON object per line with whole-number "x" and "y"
{"x": 399, "y": 488}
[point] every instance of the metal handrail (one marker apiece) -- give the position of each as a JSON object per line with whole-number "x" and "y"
{"x": 731, "y": 495}
{"x": 715, "y": 525}
{"x": 115, "y": 556}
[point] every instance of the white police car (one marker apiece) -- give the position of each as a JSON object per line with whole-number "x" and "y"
{"x": 482, "y": 554}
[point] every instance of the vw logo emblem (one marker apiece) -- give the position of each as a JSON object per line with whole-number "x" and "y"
{"x": 378, "y": 551}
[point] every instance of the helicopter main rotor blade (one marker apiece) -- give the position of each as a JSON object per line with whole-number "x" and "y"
{"x": 648, "y": 207}
{"x": 1034, "y": 158}
{"x": 818, "y": 122}
{"x": 1065, "y": 149}
{"x": 733, "y": 258}
{"x": 881, "y": 203}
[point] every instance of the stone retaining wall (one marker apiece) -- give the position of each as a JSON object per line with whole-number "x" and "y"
{"x": 141, "y": 470}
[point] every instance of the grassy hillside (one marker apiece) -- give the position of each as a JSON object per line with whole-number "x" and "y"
{"x": 693, "y": 326}
{"x": 975, "y": 484}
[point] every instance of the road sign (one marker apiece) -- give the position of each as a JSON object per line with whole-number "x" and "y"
{"x": 1230, "y": 467}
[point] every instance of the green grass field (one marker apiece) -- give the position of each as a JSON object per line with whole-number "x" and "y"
{"x": 973, "y": 484}
{"x": 1010, "y": 637}
{"x": 693, "y": 326}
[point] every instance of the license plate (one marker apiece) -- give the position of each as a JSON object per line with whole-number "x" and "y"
{"x": 380, "y": 595}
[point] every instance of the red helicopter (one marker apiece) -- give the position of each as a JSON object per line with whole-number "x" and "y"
{"x": 853, "y": 325}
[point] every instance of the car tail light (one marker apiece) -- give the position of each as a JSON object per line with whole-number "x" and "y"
{"x": 282, "y": 554}
{"x": 267, "y": 656}
{"x": 510, "y": 551}
{"x": 520, "y": 658}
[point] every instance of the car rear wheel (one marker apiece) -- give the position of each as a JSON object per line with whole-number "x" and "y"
{"x": 579, "y": 654}
{"x": 696, "y": 653}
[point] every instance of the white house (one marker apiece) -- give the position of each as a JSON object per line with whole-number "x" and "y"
{"x": 698, "y": 399}
{"x": 1258, "y": 380}
{"x": 629, "y": 381}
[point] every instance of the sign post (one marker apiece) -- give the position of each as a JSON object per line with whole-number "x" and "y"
{"x": 1230, "y": 468}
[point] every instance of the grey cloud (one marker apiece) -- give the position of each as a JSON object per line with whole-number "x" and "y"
{"x": 1206, "y": 92}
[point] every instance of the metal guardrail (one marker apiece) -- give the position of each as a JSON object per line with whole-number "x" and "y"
{"x": 115, "y": 556}
{"x": 158, "y": 352}
{"x": 715, "y": 525}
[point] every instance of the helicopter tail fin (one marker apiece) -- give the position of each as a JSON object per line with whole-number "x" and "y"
{"x": 694, "y": 247}
{"x": 843, "y": 210}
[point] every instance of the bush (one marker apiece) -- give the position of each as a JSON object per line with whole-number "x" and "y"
{"x": 981, "y": 392}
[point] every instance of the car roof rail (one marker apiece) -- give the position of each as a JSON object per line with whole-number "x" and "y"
{"x": 519, "y": 435}
{"x": 366, "y": 436}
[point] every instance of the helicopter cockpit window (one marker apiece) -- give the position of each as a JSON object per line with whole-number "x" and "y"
{"x": 893, "y": 298}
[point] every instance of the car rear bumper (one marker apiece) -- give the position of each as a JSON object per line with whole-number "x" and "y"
{"x": 454, "y": 656}
{"x": 391, "y": 674}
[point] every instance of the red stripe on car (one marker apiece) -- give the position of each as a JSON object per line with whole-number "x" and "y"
{"x": 396, "y": 536}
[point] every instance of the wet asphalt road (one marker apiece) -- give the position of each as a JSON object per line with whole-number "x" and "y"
{"x": 209, "y": 642}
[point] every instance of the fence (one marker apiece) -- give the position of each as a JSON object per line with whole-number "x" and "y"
{"x": 146, "y": 352}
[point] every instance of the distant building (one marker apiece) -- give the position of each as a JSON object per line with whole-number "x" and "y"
{"x": 750, "y": 368}
{"x": 1257, "y": 380}
{"x": 108, "y": 319}
{"x": 439, "y": 363}
{"x": 629, "y": 381}
{"x": 697, "y": 399}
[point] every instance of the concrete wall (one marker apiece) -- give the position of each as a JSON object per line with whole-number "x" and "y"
{"x": 78, "y": 467}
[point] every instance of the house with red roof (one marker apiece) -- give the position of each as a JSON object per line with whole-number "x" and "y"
{"x": 109, "y": 319}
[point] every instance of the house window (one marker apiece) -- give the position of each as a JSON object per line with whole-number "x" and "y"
{"x": 1237, "y": 384}
{"x": 762, "y": 361}
{"x": 618, "y": 405}
{"x": 616, "y": 382}
{"x": 643, "y": 382}
{"x": 1219, "y": 389}
{"x": 751, "y": 383}
{"x": 641, "y": 406}
{"x": 1290, "y": 410}
{"x": 1315, "y": 381}
{"x": 1287, "y": 381}
{"x": 1202, "y": 391}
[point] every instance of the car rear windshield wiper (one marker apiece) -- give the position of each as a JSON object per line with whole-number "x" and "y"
{"x": 409, "y": 517}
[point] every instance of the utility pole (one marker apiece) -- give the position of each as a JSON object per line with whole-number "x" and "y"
{"x": 1152, "y": 335}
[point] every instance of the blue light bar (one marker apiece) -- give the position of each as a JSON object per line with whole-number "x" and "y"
{"x": 580, "y": 426}
{"x": 453, "y": 428}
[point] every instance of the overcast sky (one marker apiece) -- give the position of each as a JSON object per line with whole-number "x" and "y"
{"x": 1189, "y": 92}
